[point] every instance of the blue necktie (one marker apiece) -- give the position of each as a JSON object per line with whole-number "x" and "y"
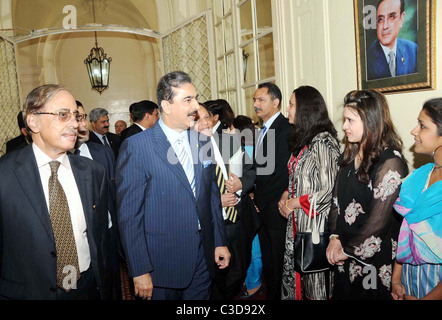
{"x": 261, "y": 137}
{"x": 186, "y": 162}
{"x": 105, "y": 141}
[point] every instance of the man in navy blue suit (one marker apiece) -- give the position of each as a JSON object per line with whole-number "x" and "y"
{"x": 169, "y": 205}
{"x": 53, "y": 208}
{"x": 390, "y": 56}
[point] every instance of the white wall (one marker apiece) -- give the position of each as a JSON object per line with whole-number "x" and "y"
{"x": 404, "y": 107}
{"x": 328, "y": 58}
{"x": 60, "y": 59}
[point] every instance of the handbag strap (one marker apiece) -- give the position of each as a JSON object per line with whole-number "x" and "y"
{"x": 293, "y": 191}
{"x": 312, "y": 211}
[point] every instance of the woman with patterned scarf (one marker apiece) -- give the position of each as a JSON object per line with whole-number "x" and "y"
{"x": 418, "y": 270}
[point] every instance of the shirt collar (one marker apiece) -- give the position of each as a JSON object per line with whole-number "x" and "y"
{"x": 99, "y": 135}
{"x": 171, "y": 134}
{"x": 141, "y": 127}
{"x": 43, "y": 159}
{"x": 269, "y": 122}
{"x": 215, "y": 127}
{"x": 388, "y": 50}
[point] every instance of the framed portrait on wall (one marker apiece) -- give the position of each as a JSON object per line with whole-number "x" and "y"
{"x": 395, "y": 44}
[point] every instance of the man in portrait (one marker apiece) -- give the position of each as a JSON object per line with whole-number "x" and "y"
{"x": 390, "y": 56}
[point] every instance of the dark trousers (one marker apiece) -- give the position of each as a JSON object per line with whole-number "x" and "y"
{"x": 227, "y": 283}
{"x": 198, "y": 289}
{"x": 86, "y": 288}
{"x": 272, "y": 243}
{"x": 113, "y": 273}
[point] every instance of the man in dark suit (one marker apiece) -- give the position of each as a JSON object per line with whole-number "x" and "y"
{"x": 169, "y": 205}
{"x": 104, "y": 156}
{"x": 271, "y": 157}
{"x": 390, "y": 56}
{"x": 53, "y": 208}
{"x": 19, "y": 141}
{"x": 236, "y": 177}
{"x": 99, "y": 119}
{"x": 145, "y": 115}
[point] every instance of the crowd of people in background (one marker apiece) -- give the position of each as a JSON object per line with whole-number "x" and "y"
{"x": 196, "y": 203}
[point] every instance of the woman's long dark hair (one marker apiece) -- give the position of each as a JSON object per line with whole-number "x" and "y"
{"x": 310, "y": 120}
{"x": 379, "y": 131}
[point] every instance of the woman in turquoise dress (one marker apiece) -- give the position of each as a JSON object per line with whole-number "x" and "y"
{"x": 418, "y": 269}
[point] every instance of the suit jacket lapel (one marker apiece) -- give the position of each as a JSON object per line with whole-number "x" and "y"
{"x": 166, "y": 152}
{"x": 83, "y": 179}
{"x": 29, "y": 178}
{"x": 381, "y": 62}
{"x": 274, "y": 126}
{"x": 400, "y": 60}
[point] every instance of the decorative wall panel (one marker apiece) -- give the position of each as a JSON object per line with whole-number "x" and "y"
{"x": 9, "y": 95}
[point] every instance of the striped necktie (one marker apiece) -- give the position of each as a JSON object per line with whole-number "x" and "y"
{"x": 392, "y": 64}
{"x": 62, "y": 228}
{"x": 231, "y": 212}
{"x": 186, "y": 162}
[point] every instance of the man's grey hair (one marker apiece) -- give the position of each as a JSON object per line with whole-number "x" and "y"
{"x": 97, "y": 113}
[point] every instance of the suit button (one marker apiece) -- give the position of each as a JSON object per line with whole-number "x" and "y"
{"x": 53, "y": 289}
{"x": 198, "y": 231}
{"x": 53, "y": 254}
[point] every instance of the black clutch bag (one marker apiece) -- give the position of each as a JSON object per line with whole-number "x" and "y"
{"x": 310, "y": 246}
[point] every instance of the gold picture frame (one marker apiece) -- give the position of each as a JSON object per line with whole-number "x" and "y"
{"x": 414, "y": 64}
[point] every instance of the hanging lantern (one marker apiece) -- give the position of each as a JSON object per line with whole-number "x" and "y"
{"x": 98, "y": 68}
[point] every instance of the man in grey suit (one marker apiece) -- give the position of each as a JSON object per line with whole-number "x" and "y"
{"x": 53, "y": 208}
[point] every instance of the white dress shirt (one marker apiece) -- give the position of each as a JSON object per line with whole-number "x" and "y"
{"x": 141, "y": 127}
{"x": 220, "y": 162}
{"x": 100, "y": 136}
{"x": 173, "y": 135}
{"x": 67, "y": 181}
{"x": 387, "y": 51}
{"x": 266, "y": 124}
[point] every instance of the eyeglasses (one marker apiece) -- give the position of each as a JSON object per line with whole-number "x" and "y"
{"x": 65, "y": 116}
{"x": 390, "y": 18}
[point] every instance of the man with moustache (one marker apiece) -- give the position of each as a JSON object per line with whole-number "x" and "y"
{"x": 104, "y": 156}
{"x": 99, "y": 119}
{"x": 169, "y": 205}
{"x": 271, "y": 157}
{"x": 390, "y": 56}
{"x": 53, "y": 208}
